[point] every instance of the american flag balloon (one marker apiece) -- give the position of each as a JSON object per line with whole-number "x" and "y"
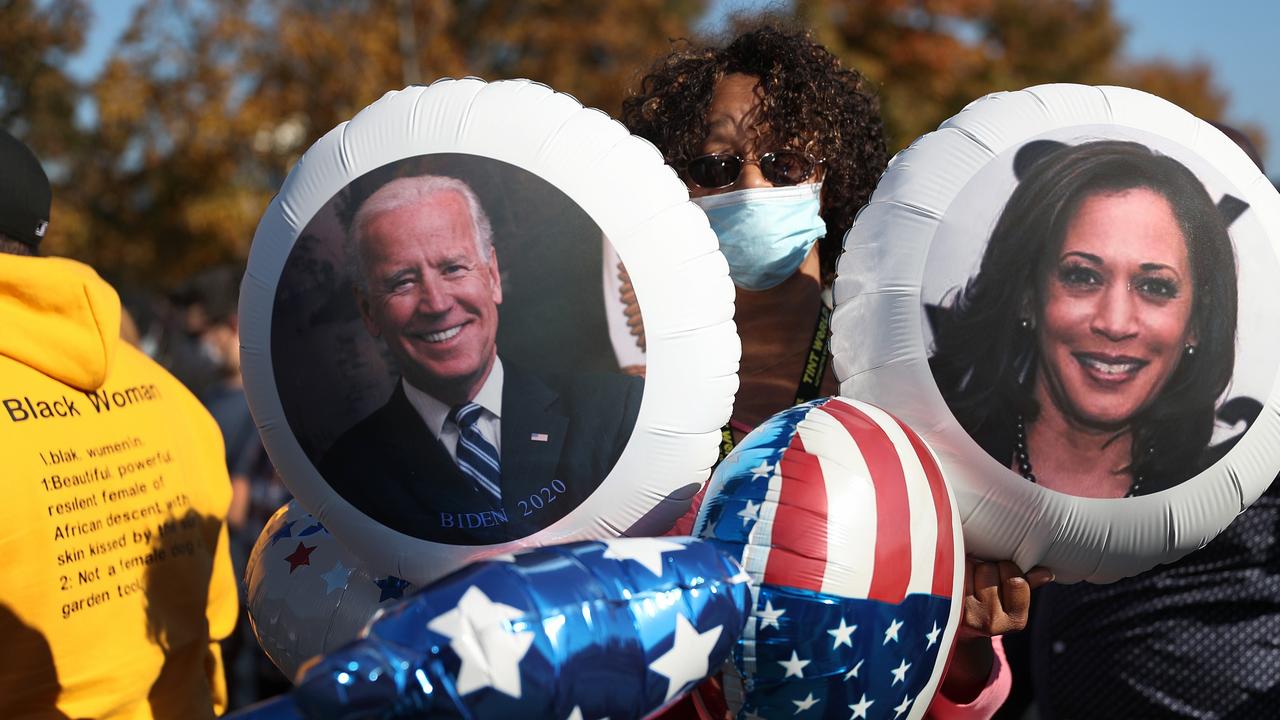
{"x": 840, "y": 516}
{"x": 615, "y": 628}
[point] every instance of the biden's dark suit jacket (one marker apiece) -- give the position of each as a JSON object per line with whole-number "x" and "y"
{"x": 393, "y": 469}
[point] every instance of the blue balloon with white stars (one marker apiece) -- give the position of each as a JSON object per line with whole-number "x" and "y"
{"x": 615, "y": 628}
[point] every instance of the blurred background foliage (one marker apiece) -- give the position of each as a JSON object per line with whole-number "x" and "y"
{"x": 163, "y": 163}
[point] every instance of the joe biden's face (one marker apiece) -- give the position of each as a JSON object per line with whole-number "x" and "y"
{"x": 431, "y": 296}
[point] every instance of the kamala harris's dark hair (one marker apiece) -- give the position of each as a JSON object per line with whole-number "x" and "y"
{"x": 985, "y": 360}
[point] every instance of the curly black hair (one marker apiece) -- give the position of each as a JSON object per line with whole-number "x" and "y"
{"x": 809, "y": 100}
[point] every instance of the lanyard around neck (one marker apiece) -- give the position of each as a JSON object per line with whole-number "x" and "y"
{"x": 810, "y": 385}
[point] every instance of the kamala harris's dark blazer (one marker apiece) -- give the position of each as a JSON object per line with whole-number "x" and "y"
{"x": 557, "y": 446}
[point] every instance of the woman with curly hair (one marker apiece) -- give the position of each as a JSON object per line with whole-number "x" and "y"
{"x": 782, "y": 146}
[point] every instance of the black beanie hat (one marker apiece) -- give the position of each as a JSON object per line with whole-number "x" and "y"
{"x": 25, "y": 196}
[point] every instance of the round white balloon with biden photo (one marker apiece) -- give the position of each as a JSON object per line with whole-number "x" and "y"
{"x": 434, "y": 355}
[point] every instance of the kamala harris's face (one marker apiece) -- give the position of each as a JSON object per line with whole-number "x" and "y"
{"x": 1116, "y": 316}
{"x": 431, "y": 296}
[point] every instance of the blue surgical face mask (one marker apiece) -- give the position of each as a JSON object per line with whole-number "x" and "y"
{"x": 765, "y": 233}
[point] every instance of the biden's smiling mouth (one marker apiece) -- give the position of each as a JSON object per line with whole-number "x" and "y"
{"x": 442, "y": 335}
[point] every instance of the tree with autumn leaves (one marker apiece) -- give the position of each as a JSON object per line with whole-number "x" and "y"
{"x": 930, "y": 58}
{"x": 164, "y": 162}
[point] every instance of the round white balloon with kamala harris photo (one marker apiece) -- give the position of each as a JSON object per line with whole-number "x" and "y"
{"x": 1070, "y": 292}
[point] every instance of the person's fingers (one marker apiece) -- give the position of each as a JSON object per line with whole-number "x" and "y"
{"x": 982, "y": 602}
{"x": 986, "y": 583}
{"x": 998, "y": 597}
{"x": 631, "y": 307}
{"x": 1015, "y": 598}
{"x": 1009, "y": 572}
{"x": 1039, "y": 577}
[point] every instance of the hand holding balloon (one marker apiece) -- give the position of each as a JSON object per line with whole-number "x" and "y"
{"x": 997, "y": 598}
{"x": 997, "y": 601}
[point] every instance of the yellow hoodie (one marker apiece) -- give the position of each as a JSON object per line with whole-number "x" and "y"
{"x": 115, "y": 582}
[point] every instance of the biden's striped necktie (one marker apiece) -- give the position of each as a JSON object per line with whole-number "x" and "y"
{"x": 476, "y": 456}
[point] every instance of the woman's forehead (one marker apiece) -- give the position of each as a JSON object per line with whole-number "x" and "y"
{"x": 736, "y": 117}
{"x": 736, "y": 130}
{"x": 736, "y": 109}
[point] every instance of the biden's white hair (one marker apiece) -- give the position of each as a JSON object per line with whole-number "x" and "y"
{"x": 406, "y": 191}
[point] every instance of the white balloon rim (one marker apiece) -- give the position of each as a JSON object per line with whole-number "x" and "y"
{"x": 679, "y": 276}
{"x": 879, "y": 349}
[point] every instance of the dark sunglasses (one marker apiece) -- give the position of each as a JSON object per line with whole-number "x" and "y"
{"x": 780, "y": 167}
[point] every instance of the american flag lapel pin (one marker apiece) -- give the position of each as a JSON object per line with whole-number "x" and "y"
{"x": 539, "y": 437}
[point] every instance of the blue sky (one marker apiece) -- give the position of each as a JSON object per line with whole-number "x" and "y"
{"x": 110, "y": 19}
{"x": 1238, "y": 38}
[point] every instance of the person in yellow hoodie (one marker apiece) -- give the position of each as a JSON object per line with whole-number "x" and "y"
{"x": 115, "y": 580}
